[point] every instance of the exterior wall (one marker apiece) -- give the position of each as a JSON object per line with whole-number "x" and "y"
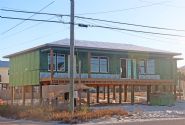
{"x": 164, "y": 68}
{"x": 24, "y": 69}
{"x": 4, "y": 75}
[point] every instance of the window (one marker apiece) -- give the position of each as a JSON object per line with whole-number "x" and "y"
{"x": 60, "y": 62}
{"x": 147, "y": 66}
{"x": 95, "y": 64}
{"x": 142, "y": 66}
{"x": 54, "y": 61}
{"x": 150, "y": 66}
{"x": 99, "y": 64}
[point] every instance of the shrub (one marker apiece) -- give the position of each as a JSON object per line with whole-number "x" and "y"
{"x": 50, "y": 113}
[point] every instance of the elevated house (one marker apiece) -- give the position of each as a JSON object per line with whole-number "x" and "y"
{"x": 102, "y": 65}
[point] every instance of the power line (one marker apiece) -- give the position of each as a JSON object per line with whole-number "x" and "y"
{"x": 102, "y": 20}
{"x": 98, "y": 26}
{"x": 36, "y": 20}
{"x": 23, "y": 11}
{"x": 120, "y": 10}
{"x": 138, "y": 31}
{"x": 27, "y": 18}
{"x": 29, "y": 27}
{"x": 130, "y": 33}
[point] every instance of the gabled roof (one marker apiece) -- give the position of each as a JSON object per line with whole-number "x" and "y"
{"x": 4, "y": 63}
{"x": 83, "y": 44}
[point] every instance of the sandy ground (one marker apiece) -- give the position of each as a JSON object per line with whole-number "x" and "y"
{"x": 139, "y": 115}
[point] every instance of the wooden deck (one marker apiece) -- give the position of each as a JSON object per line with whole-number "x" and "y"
{"x": 103, "y": 82}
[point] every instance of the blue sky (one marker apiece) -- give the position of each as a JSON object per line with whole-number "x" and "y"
{"x": 161, "y": 13}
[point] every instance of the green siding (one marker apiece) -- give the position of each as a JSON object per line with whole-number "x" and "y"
{"x": 24, "y": 69}
{"x": 166, "y": 68}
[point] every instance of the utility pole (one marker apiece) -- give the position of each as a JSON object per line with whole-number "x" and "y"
{"x": 71, "y": 93}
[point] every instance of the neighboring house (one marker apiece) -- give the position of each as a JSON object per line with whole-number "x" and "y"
{"x": 102, "y": 65}
{"x": 4, "y": 74}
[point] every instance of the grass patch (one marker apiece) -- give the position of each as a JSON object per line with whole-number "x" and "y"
{"x": 50, "y": 113}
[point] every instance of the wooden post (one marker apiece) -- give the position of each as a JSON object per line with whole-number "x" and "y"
{"x": 23, "y": 95}
{"x": 89, "y": 64}
{"x": 32, "y": 95}
{"x": 51, "y": 65}
{"x": 171, "y": 88}
{"x": 164, "y": 88}
{"x": 104, "y": 92}
{"x": 120, "y": 93}
{"x": 175, "y": 94}
{"x": 40, "y": 98}
{"x": 79, "y": 82}
{"x": 88, "y": 97}
{"x": 108, "y": 95}
{"x": 12, "y": 95}
{"x": 132, "y": 94}
{"x": 148, "y": 93}
{"x": 156, "y": 87}
{"x": 114, "y": 92}
{"x": 125, "y": 93}
{"x": 97, "y": 94}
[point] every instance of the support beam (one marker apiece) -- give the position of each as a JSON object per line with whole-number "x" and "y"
{"x": 171, "y": 88}
{"x": 40, "y": 94}
{"x": 114, "y": 92}
{"x": 104, "y": 92}
{"x": 23, "y": 95}
{"x": 132, "y": 94}
{"x": 156, "y": 87}
{"x": 89, "y": 64}
{"x": 175, "y": 90}
{"x": 32, "y": 95}
{"x": 97, "y": 94}
{"x": 125, "y": 93}
{"x": 108, "y": 94}
{"x": 120, "y": 94}
{"x": 164, "y": 88}
{"x": 12, "y": 95}
{"x": 148, "y": 93}
{"x": 51, "y": 65}
{"x": 88, "y": 97}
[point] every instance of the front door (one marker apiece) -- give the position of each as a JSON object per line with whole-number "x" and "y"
{"x": 123, "y": 68}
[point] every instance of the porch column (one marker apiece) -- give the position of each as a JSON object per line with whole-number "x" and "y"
{"x": 108, "y": 94}
{"x": 164, "y": 88}
{"x": 156, "y": 87}
{"x": 148, "y": 93}
{"x": 32, "y": 95}
{"x": 120, "y": 93}
{"x": 171, "y": 88}
{"x": 175, "y": 94}
{"x": 51, "y": 65}
{"x": 88, "y": 97}
{"x": 104, "y": 92}
{"x": 132, "y": 94}
{"x": 97, "y": 94}
{"x": 12, "y": 95}
{"x": 89, "y": 64}
{"x": 125, "y": 93}
{"x": 114, "y": 92}
{"x": 23, "y": 95}
{"x": 40, "y": 95}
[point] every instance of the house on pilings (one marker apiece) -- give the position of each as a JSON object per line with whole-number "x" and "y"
{"x": 115, "y": 70}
